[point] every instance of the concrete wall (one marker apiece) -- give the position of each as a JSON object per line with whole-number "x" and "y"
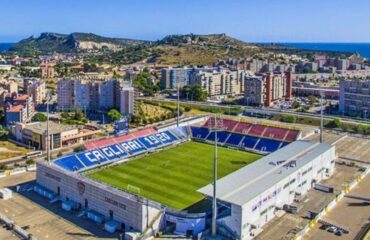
{"x": 101, "y": 198}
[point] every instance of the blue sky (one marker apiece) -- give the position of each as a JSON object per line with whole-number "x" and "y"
{"x": 249, "y": 20}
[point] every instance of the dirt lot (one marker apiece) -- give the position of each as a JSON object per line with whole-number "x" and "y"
{"x": 9, "y": 150}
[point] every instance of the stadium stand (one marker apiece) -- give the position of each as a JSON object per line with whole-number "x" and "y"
{"x": 199, "y": 132}
{"x": 117, "y": 151}
{"x": 234, "y": 139}
{"x": 221, "y": 136}
{"x": 118, "y": 139}
{"x": 267, "y": 145}
{"x": 224, "y": 124}
{"x": 291, "y": 136}
{"x": 243, "y": 127}
{"x": 275, "y": 133}
{"x": 256, "y": 130}
{"x": 180, "y": 133}
{"x": 70, "y": 163}
{"x": 246, "y": 135}
{"x": 249, "y": 142}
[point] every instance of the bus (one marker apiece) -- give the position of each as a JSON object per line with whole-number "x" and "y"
{"x": 33, "y": 154}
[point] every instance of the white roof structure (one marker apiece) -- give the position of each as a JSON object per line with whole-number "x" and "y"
{"x": 248, "y": 182}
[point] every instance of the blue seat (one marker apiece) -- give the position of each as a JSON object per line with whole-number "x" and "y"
{"x": 268, "y": 145}
{"x": 70, "y": 163}
{"x": 113, "y": 152}
{"x": 234, "y": 139}
{"x": 85, "y": 157}
{"x": 133, "y": 146}
{"x": 284, "y": 144}
{"x": 199, "y": 132}
{"x": 150, "y": 141}
{"x": 249, "y": 142}
{"x": 165, "y": 137}
{"x": 221, "y": 136}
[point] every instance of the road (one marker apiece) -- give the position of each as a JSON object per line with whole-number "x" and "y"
{"x": 263, "y": 111}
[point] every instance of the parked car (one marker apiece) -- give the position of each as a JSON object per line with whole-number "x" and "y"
{"x": 324, "y": 226}
{"x": 332, "y": 229}
{"x": 339, "y": 232}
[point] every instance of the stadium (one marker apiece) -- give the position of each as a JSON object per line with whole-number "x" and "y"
{"x": 158, "y": 179}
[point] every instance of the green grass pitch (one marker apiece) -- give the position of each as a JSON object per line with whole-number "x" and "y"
{"x": 172, "y": 176}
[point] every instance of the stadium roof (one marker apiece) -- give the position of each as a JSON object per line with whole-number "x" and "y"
{"x": 248, "y": 182}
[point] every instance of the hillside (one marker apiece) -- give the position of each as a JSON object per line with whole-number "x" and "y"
{"x": 187, "y": 49}
{"x": 183, "y": 50}
{"x": 202, "y": 49}
{"x": 62, "y": 43}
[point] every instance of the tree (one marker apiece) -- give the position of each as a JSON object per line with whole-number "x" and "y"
{"x": 288, "y": 118}
{"x": 114, "y": 115}
{"x": 295, "y": 105}
{"x": 335, "y": 123}
{"x": 79, "y": 116}
{"x": 39, "y": 117}
{"x": 90, "y": 67}
{"x": 313, "y": 99}
{"x": 194, "y": 92}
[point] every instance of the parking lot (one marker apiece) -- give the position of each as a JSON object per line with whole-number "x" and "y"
{"x": 288, "y": 225}
{"x": 42, "y": 219}
{"x": 349, "y": 213}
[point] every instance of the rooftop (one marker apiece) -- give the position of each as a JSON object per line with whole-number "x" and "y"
{"x": 40, "y": 127}
{"x": 15, "y": 108}
{"x": 248, "y": 182}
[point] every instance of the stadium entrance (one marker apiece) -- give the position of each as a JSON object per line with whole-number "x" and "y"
{"x": 186, "y": 224}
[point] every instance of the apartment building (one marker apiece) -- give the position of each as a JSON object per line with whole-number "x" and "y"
{"x": 172, "y": 78}
{"x": 18, "y": 108}
{"x": 47, "y": 70}
{"x": 354, "y": 98}
{"x": 127, "y": 100}
{"x": 221, "y": 81}
{"x": 36, "y": 88}
{"x": 264, "y": 89}
{"x": 91, "y": 96}
{"x": 8, "y": 85}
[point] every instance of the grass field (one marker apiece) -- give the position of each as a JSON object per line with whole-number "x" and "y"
{"x": 172, "y": 176}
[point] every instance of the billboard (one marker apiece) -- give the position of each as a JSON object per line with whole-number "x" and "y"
{"x": 121, "y": 126}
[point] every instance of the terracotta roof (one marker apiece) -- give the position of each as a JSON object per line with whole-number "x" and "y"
{"x": 16, "y": 108}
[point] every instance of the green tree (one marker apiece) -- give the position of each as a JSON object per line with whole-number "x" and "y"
{"x": 114, "y": 115}
{"x": 295, "y": 105}
{"x": 335, "y": 123}
{"x": 313, "y": 99}
{"x": 288, "y": 118}
{"x": 39, "y": 117}
{"x": 193, "y": 92}
{"x": 79, "y": 116}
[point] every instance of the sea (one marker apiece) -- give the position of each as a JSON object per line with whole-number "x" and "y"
{"x": 362, "y": 48}
{"x": 5, "y": 46}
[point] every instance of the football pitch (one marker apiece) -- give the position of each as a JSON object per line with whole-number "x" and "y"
{"x": 172, "y": 176}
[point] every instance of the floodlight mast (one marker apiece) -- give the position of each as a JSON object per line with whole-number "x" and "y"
{"x": 47, "y": 129}
{"x": 214, "y": 200}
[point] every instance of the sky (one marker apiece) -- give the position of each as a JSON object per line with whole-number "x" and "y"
{"x": 248, "y": 20}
